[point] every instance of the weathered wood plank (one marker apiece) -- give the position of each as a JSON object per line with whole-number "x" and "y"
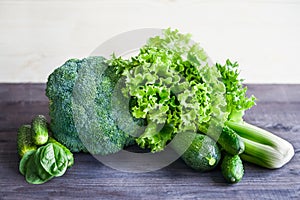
{"x": 14, "y": 114}
{"x": 278, "y": 112}
{"x": 288, "y": 93}
{"x": 89, "y": 178}
{"x": 26, "y": 92}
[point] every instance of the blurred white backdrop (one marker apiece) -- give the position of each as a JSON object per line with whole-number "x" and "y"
{"x": 262, "y": 35}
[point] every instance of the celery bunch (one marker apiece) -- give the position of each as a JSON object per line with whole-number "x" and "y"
{"x": 261, "y": 147}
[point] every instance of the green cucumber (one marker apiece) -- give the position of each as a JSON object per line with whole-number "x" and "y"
{"x": 232, "y": 168}
{"x": 67, "y": 151}
{"x": 230, "y": 141}
{"x": 24, "y": 140}
{"x": 203, "y": 154}
{"x": 39, "y": 130}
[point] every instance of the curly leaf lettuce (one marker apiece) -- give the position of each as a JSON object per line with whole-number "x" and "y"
{"x": 236, "y": 98}
{"x": 174, "y": 88}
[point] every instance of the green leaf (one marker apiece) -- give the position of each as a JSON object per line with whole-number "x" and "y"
{"x": 173, "y": 86}
{"x": 53, "y": 159}
{"x": 35, "y": 173}
{"x": 24, "y": 161}
{"x": 236, "y": 98}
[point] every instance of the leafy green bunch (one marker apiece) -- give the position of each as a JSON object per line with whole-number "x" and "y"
{"x": 174, "y": 88}
{"x": 236, "y": 98}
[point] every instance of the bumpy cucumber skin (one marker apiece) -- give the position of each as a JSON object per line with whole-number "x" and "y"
{"x": 203, "y": 154}
{"x": 231, "y": 142}
{"x": 24, "y": 140}
{"x": 39, "y": 130}
{"x": 232, "y": 168}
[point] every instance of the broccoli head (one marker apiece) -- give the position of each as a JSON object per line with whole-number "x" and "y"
{"x": 80, "y": 107}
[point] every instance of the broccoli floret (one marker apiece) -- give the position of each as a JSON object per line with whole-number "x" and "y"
{"x": 80, "y": 97}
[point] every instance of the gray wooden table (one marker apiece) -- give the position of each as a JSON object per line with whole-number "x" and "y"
{"x": 278, "y": 110}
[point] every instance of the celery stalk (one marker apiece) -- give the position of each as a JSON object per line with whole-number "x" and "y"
{"x": 262, "y": 147}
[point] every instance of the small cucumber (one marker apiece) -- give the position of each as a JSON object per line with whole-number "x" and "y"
{"x": 39, "y": 130}
{"x": 232, "y": 168}
{"x": 230, "y": 141}
{"x": 203, "y": 154}
{"x": 67, "y": 151}
{"x": 24, "y": 140}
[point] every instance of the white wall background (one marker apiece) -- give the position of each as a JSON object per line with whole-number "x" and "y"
{"x": 262, "y": 35}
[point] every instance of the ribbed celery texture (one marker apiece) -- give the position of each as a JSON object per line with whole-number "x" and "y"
{"x": 262, "y": 147}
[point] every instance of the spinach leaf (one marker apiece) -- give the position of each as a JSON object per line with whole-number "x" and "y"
{"x": 24, "y": 161}
{"x": 35, "y": 174}
{"x": 53, "y": 159}
{"x": 41, "y": 172}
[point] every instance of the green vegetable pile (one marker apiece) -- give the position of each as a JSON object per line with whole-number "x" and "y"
{"x": 169, "y": 88}
{"x": 42, "y": 157}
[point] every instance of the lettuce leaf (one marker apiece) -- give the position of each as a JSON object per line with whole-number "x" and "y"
{"x": 175, "y": 88}
{"x": 236, "y": 98}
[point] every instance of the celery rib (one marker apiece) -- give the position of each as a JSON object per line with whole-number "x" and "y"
{"x": 262, "y": 147}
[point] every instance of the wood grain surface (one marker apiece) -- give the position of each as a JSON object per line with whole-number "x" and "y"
{"x": 277, "y": 110}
